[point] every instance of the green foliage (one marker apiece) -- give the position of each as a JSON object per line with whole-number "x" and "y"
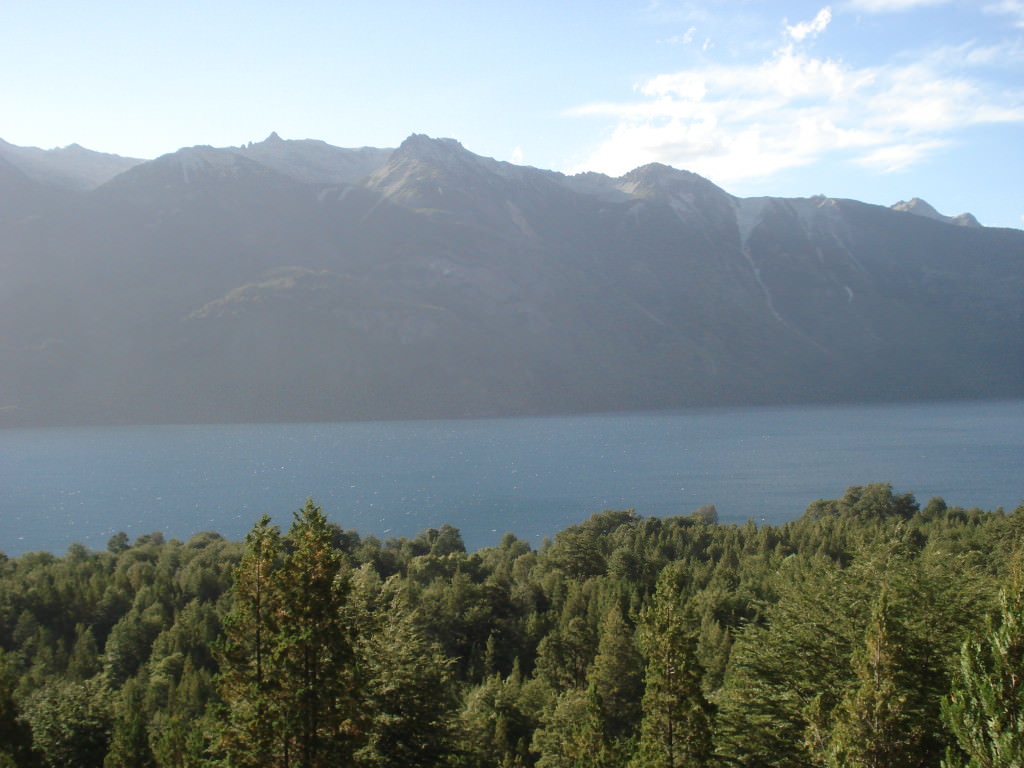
{"x": 129, "y": 743}
{"x": 409, "y": 696}
{"x": 570, "y": 735}
{"x": 852, "y": 636}
{"x": 676, "y": 728}
{"x": 498, "y": 720}
{"x": 985, "y": 709}
{"x": 875, "y": 502}
{"x": 287, "y": 658}
{"x": 71, "y": 722}
{"x": 616, "y": 679}
{"x": 874, "y": 724}
{"x": 15, "y": 734}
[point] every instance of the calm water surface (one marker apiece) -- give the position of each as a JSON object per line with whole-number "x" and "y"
{"x": 529, "y": 476}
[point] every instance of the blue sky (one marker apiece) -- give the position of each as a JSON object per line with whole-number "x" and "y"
{"x": 879, "y": 100}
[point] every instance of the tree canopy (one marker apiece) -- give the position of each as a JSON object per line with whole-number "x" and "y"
{"x": 869, "y": 632}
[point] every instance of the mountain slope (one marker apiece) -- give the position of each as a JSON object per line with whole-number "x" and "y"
{"x": 294, "y": 280}
{"x": 71, "y": 167}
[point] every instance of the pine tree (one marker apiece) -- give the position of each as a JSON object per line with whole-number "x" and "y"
{"x": 15, "y": 734}
{"x": 408, "y": 692}
{"x": 498, "y": 720}
{"x": 985, "y": 709}
{"x": 288, "y": 664}
{"x": 677, "y": 719}
{"x": 570, "y": 735}
{"x": 129, "y": 742}
{"x": 252, "y": 733}
{"x": 874, "y": 727}
{"x": 312, "y": 656}
{"x": 71, "y": 722}
{"x": 84, "y": 660}
{"x": 616, "y": 678}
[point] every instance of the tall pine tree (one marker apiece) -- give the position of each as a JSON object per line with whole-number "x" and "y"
{"x": 874, "y": 726}
{"x": 985, "y": 709}
{"x": 312, "y": 655}
{"x": 409, "y": 692}
{"x": 288, "y": 672}
{"x": 252, "y": 734}
{"x": 676, "y": 729}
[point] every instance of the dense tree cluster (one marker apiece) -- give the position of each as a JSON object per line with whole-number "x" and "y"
{"x": 870, "y": 632}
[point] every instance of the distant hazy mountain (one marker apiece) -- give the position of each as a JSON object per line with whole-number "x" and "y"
{"x": 316, "y": 161}
{"x": 293, "y": 280}
{"x": 73, "y": 167}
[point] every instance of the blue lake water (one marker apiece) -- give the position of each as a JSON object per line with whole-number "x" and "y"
{"x": 532, "y": 477}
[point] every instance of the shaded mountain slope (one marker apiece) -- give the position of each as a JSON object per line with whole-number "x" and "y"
{"x": 294, "y": 280}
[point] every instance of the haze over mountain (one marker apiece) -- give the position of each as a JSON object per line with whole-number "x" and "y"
{"x": 293, "y": 280}
{"x": 73, "y": 166}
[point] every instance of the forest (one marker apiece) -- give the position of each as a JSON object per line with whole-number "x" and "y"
{"x": 872, "y": 631}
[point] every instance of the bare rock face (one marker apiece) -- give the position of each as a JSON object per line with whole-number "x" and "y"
{"x": 289, "y": 280}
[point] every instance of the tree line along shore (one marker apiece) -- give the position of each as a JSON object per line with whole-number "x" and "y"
{"x": 871, "y": 631}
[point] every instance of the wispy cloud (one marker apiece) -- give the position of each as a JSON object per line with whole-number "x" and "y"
{"x": 893, "y": 157}
{"x": 684, "y": 39}
{"x": 742, "y": 121}
{"x": 1014, "y": 8}
{"x": 891, "y": 6}
{"x": 812, "y": 28}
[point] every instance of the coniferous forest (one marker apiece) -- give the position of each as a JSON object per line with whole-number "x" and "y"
{"x": 873, "y": 631}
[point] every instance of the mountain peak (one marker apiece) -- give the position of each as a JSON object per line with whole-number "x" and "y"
{"x": 421, "y": 167}
{"x": 919, "y": 207}
{"x": 190, "y": 164}
{"x": 687, "y": 193}
{"x": 70, "y": 167}
{"x": 658, "y": 177}
{"x": 423, "y": 147}
{"x": 655, "y": 170}
{"x": 966, "y": 220}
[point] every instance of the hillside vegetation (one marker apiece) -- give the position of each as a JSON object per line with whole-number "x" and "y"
{"x": 870, "y": 632}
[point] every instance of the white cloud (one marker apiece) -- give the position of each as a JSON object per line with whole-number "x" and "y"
{"x": 517, "y": 156}
{"x": 684, "y": 39}
{"x": 812, "y": 28}
{"x": 891, "y": 6}
{"x": 1013, "y": 8}
{"x": 896, "y": 157}
{"x": 736, "y": 122}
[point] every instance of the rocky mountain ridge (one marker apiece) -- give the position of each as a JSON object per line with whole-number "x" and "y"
{"x": 921, "y": 208}
{"x": 292, "y": 280}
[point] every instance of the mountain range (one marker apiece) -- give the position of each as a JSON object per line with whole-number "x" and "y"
{"x": 294, "y": 280}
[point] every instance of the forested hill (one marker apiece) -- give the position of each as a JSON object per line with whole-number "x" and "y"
{"x": 295, "y": 281}
{"x": 869, "y": 632}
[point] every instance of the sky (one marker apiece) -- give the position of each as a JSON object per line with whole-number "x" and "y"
{"x": 876, "y": 100}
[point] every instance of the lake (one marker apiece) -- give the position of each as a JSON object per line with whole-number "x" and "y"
{"x": 530, "y": 476}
